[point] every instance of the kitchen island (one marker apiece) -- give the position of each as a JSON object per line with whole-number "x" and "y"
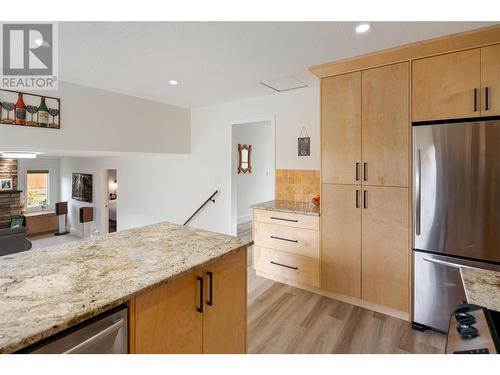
{"x": 43, "y": 292}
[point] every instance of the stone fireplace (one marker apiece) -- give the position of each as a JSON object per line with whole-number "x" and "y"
{"x": 9, "y": 200}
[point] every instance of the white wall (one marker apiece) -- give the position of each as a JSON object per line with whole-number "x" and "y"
{"x": 171, "y": 187}
{"x": 258, "y": 186}
{"x": 98, "y": 120}
{"x": 51, "y": 165}
{"x": 99, "y": 193}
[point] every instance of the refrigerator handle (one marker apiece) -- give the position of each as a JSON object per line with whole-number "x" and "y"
{"x": 418, "y": 177}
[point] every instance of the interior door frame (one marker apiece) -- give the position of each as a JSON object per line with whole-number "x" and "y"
{"x": 232, "y": 152}
{"x": 105, "y": 200}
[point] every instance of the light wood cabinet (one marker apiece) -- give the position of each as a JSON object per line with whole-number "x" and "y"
{"x": 287, "y": 247}
{"x": 203, "y": 311}
{"x": 447, "y": 86}
{"x": 386, "y": 125}
{"x": 225, "y": 313}
{"x": 293, "y": 269}
{"x": 341, "y": 239}
{"x": 286, "y": 218}
{"x": 356, "y": 237}
{"x": 166, "y": 319}
{"x": 385, "y": 241}
{"x": 490, "y": 80}
{"x": 341, "y": 129}
{"x": 289, "y": 239}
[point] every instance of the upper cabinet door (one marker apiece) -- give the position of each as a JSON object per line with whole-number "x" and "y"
{"x": 490, "y": 80}
{"x": 447, "y": 86}
{"x": 386, "y": 125}
{"x": 341, "y": 129}
{"x": 225, "y": 315}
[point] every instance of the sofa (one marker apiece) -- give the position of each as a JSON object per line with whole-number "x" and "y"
{"x": 14, "y": 240}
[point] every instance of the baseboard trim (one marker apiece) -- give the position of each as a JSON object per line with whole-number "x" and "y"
{"x": 244, "y": 219}
{"x": 342, "y": 298}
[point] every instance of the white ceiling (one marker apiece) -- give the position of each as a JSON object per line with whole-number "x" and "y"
{"x": 216, "y": 62}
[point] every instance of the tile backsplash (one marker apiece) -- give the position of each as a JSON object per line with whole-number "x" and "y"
{"x": 297, "y": 185}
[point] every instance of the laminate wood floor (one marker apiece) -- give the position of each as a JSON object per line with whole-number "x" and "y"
{"x": 284, "y": 319}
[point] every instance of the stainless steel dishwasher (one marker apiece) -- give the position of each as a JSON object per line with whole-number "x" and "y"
{"x": 104, "y": 334}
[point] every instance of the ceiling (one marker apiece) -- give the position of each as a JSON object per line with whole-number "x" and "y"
{"x": 216, "y": 62}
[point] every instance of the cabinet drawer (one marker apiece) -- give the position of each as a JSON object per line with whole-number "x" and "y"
{"x": 286, "y": 267}
{"x": 288, "y": 219}
{"x": 292, "y": 240}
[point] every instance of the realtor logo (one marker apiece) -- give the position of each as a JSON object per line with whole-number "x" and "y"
{"x": 29, "y": 59}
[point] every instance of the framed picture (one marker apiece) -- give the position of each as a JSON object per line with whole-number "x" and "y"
{"x": 5, "y": 184}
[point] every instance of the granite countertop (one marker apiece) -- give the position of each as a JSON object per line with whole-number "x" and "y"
{"x": 482, "y": 287}
{"x": 302, "y": 208}
{"x": 45, "y": 291}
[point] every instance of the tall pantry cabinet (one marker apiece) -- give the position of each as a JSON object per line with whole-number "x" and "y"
{"x": 365, "y": 130}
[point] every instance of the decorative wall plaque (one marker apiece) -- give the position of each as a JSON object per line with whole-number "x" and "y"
{"x": 24, "y": 109}
{"x": 304, "y": 143}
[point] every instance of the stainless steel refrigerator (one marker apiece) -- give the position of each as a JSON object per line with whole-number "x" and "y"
{"x": 456, "y": 212}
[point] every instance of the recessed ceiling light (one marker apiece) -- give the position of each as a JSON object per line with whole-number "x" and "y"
{"x": 18, "y": 154}
{"x": 362, "y": 28}
{"x": 173, "y": 82}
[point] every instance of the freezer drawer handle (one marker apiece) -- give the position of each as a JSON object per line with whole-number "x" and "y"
{"x": 446, "y": 264}
{"x": 279, "y": 218}
{"x": 283, "y": 239}
{"x": 105, "y": 332}
{"x": 284, "y": 265}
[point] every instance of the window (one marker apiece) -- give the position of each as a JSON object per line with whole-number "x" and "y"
{"x": 37, "y": 183}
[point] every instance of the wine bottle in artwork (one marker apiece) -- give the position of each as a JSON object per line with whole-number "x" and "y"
{"x": 43, "y": 114}
{"x": 20, "y": 111}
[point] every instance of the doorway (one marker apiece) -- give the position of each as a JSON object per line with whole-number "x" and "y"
{"x": 112, "y": 200}
{"x": 257, "y": 184}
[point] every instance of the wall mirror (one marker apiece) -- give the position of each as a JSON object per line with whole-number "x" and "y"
{"x": 245, "y": 153}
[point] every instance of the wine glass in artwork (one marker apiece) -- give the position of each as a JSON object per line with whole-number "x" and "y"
{"x": 54, "y": 112}
{"x": 31, "y": 109}
{"x": 8, "y": 108}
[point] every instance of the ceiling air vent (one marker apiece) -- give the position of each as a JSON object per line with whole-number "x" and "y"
{"x": 284, "y": 84}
